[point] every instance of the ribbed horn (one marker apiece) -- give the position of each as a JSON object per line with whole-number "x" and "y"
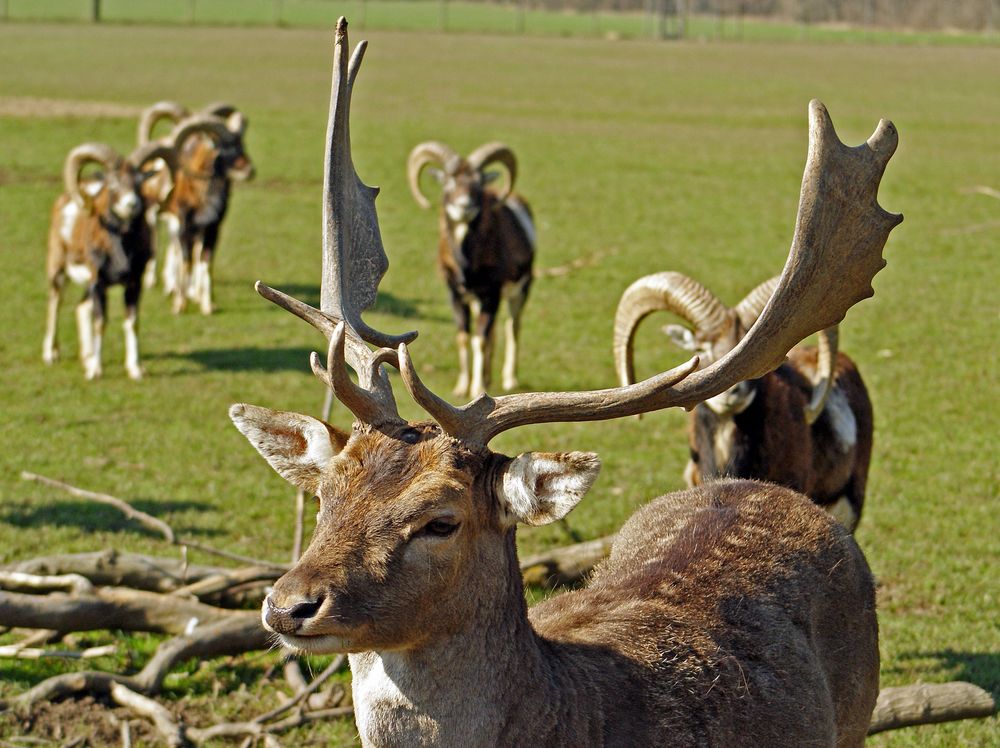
{"x": 429, "y": 152}
{"x": 171, "y": 110}
{"x": 496, "y": 153}
{"x": 79, "y": 157}
{"x": 668, "y": 292}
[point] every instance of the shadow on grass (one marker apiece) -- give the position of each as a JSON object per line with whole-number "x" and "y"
{"x": 92, "y": 517}
{"x": 980, "y": 668}
{"x": 250, "y": 358}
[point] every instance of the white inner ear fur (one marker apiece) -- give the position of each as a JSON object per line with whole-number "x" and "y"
{"x": 297, "y": 446}
{"x": 542, "y": 487}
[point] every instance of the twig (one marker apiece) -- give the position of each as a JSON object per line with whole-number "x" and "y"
{"x": 146, "y": 520}
{"x": 594, "y": 258}
{"x": 140, "y": 704}
{"x": 19, "y": 651}
{"x": 333, "y": 667}
{"x": 18, "y": 580}
{"x": 224, "y": 581}
{"x": 982, "y": 189}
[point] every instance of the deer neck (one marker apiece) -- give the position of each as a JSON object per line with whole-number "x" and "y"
{"x": 472, "y": 687}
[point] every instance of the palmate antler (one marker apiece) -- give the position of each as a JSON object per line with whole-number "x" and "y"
{"x": 354, "y": 259}
{"x": 835, "y": 254}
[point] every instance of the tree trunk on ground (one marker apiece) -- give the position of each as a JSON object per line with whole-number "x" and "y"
{"x": 929, "y": 703}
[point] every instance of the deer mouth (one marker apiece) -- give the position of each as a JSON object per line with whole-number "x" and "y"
{"x": 317, "y": 643}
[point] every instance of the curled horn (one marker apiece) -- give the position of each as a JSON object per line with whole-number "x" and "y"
{"x": 199, "y": 123}
{"x": 829, "y": 341}
{"x": 496, "y": 153}
{"x": 171, "y": 110}
{"x": 669, "y": 292}
{"x": 429, "y": 152}
{"x": 235, "y": 119}
{"x": 150, "y": 151}
{"x": 79, "y": 157}
{"x": 749, "y": 309}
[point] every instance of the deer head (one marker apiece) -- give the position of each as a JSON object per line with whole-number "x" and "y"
{"x": 416, "y": 522}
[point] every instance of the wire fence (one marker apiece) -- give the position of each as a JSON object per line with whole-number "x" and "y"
{"x": 702, "y": 19}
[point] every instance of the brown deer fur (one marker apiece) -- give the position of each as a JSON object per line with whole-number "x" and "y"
{"x": 735, "y": 613}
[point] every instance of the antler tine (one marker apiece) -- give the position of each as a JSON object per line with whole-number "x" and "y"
{"x": 835, "y": 254}
{"x": 485, "y": 417}
{"x": 371, "y": 400}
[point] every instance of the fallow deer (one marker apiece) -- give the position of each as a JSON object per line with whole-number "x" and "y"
{"x": 485, "y": 253}
{"x": 806, "y": 425}
{"x": 735, "y": 613}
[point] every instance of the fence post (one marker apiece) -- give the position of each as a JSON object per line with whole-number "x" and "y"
{"x": 520, "y": 22}
{"x": 278, "y": 12}
{"x": 95, "y": 11}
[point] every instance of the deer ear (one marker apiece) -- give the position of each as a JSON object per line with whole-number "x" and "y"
{"x": 296, "y": 446}
{"x": 540, "y": 487}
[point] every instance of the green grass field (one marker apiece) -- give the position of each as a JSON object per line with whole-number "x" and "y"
{"x": 683, "y": 156}
{"x": 466, "y": 16}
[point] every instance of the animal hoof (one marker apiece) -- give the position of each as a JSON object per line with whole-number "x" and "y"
{"x": 50, "y": 357}
{"x": 135, "y": 374}
{"x": 509, "y": 384}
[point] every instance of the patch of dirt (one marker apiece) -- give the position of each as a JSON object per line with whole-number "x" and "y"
{"x": 35, "y": 107}
{"x": 79, "y": 722}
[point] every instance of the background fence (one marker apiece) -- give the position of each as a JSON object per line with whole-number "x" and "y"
{"x": 625, "y": 18}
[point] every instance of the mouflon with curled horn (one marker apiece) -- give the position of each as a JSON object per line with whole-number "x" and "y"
{"x": 806, "y": 425}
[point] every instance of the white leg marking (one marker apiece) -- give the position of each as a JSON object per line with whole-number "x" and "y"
{"x": 195, "y": 280}
{"x": 94, "y": 367}
{"x": 842, "y": 511}
{"x": 84, "y": 329}
{"x": 478, "y": 386}
{"x": 50, "y": 345}
{"x": 132, "y": 347}
{"x": 462, "y": 385}
{"x": 205, "y": 287}
{"x": 172, "y": 261}
{"x": 691, "y": 474}
{"x": 514, "y": 293}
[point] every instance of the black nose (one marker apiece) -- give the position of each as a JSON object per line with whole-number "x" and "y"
{"x": 288, "y": 620}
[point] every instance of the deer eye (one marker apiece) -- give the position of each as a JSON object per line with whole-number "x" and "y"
{"x": 440, "y": 528}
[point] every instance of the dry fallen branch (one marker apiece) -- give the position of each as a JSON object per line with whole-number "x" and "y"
{"x": 119, "y": 569}
{"x": 161, "y": 718}
{"x": 16, "y": 581}
{"x": 566, "y": 565}
{"x": 19, "y": 651}
{"x": 146, "y": 520}
{"x": 929, "y": 703}
{"x": 111, "y": 608}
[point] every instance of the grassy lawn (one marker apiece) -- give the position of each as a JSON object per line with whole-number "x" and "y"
{"x": 682, "y": 156}
{"x": 483, "y": 17}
